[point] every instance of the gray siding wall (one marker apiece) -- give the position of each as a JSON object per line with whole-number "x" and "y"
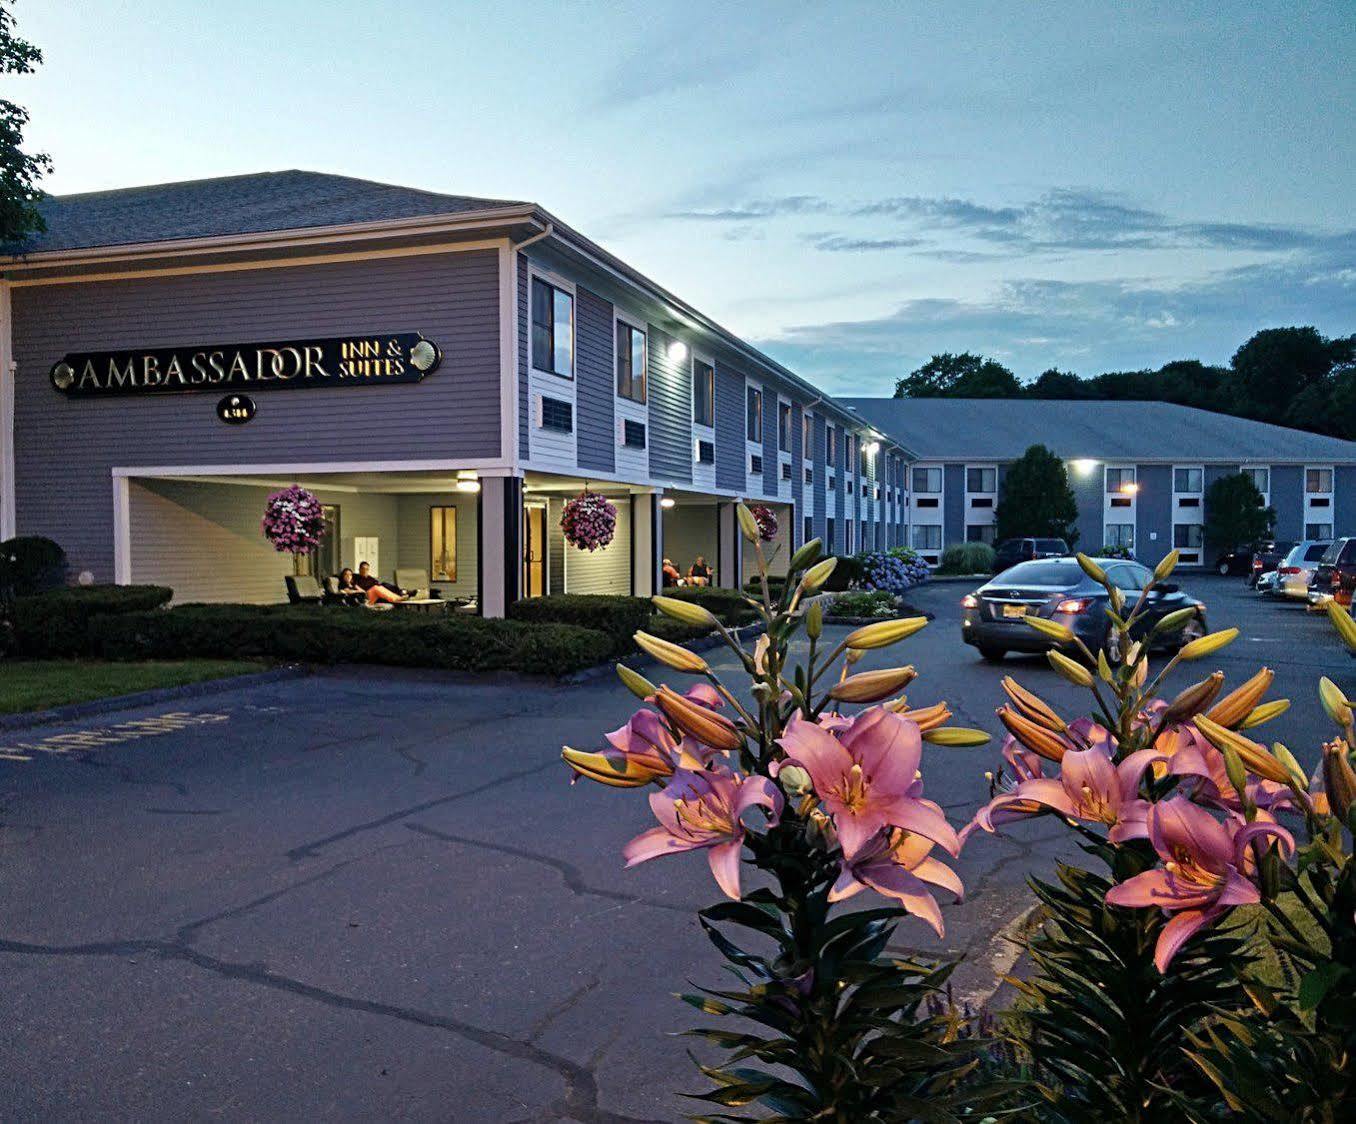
{"x": 1344, "y": 502}
{"x": 415, "y": 540}
{"x": 555, "y": 546}
{"x": 524, "y": 335}
{"x": 1214, "y": 471}
{"x": 689, "y": 530}
{"x": 1089, "y": 494}
{"x": 953, "y": 518}
{"x": 1153, "y": 512}
{"x": 596, "y": 420}
{"x": 607, "y": 570}
{"x": 204, "y": 542}
{"x": 65, "y": 447}
{"x": 670, "y": 413}
{"x": 1287, "y": 497}
{"x": 771, "y": 419}
{"x": 841, "y": 495}
{"x": 730, "y": 421}
{"x": 797, "y": 472}
{"x": 818, "y": 484}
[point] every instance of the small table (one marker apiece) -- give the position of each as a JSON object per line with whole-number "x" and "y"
{"x": 435, "y": 605}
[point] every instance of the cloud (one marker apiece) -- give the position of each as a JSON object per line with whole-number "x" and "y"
{"x": 757, "y": 209}
{"x": 837, "y": 243}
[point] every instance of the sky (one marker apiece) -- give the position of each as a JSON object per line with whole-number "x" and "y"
{"x": 853, "y": 187}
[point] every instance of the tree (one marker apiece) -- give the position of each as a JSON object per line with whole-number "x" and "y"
{"x": 1275, "y": 366}
{"x": 19, "y": 171}
{"x": 1036, "y": 499}
{"x": 959, "y": 376}
{"x": 1055, "y": 383}
{"x": 1234, "y": 515}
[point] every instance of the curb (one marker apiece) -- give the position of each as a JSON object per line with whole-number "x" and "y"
{"x": 951, "y": 579}
{"x": 638, "y": 660}
{"x": 116, "y": 703}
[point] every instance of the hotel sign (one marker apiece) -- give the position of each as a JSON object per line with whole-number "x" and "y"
{"x": 376, "y": 359}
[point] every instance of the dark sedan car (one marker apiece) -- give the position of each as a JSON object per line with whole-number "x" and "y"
{"x": 1059, "y": 590}
{"x": 1011, "y": 551}
{"x": 1266, "y": 558}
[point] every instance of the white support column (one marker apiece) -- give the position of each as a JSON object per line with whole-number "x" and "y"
{"x": 8, "y": 519}
{"x": 730, "y": 557}
{"x": 499, "y": 530}
{"x": 122, "y": 530}
{"x": 647, "y": 544}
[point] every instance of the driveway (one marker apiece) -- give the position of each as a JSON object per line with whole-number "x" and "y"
{"x": 369, "y": 894}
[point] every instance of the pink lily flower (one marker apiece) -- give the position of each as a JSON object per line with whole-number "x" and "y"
{"x": 705, "y": 810}
{"x": 1207, "y": 870}
{"x": 866, "y": 775}
{"x": 647, "y": 739}
{"x": 1090, "y": 786}
{"x": 898, "y": 864}
{"x": 1191, "y": 756}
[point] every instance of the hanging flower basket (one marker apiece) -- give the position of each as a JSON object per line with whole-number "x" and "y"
{"x": 294, "y": 521}
{"x": 589, "y": 521}
{"x": 766, "y": 520}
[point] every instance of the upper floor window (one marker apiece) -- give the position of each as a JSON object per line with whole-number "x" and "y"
{"x": 807, "y": 440}
{"x": 1187, "y": 479}
{"x": 1260, "y": 477}
{"x": 552, "y": 329}
{"x": 1120, "y": 480}
{"x": 850, "y": 449}
{"x": 1318, "y": 480}
{"x": 784, "y": 426}
{"x": 927, "y": 479}
{"x": 861, "y": 457}
{"x": 755, "y": 412}
{"x": 831, "y": 439}
{"x": 983, "y": 480}
{"x": 703, "y": 393}
{"x": 631, "y": 362}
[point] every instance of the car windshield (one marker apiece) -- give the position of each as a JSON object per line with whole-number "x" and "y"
{"x": 1049, "y": 545}
{"x": 1333, "y": 552}
{"x": 1314, "y": 551}
{"x": 1055, "y": 572}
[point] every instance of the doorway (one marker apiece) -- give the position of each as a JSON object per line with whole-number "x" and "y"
{"x": 534, "y": 549}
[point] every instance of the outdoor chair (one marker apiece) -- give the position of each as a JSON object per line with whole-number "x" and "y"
{"x": 416, "y": 583}
{"x": 334, "y": 597}
{"x": 303, "y": 590}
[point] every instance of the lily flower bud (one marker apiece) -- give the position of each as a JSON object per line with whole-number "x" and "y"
{"x": 819, "y": 829}
{"x": 1033, "y": 707}
{"x": 1195, "y": 698}
{"x": 1094, "y": 571}
{"x": 1166, "y": 565}
{"x": 924, "y": 717}
{"x": 805, "y": 556}
{"x": 612, "y": 769}
{"x": 1265, "y": 713}
{"x": 670, "y": 654}
{"x": 636, "y": 683}
{"x": 1254, "y": 756}
{"x": 1208, "y": 645}
{"x": 873, "y": 686}
{"x": 1071, "y": 670}
{"x": 1035, "y": 737}
{"x": 882, "y": 634}
{"x": 795, "y": 781}
{"x": 955, "y": 737}
{"x": 1239, "y": 703}
{"x": 818, "y": 574}
{"x": 1103, "y": 667}
{"x": 1052, "y": 629}
{"x": 687, "y": 612}
{"x": 1172, "y": 622}
{"x": 1341, "y": 619}
{"x": 1339, "y": 779}
{"x": 701, "y": 722}
{"x": 814, "y": 621}
{"x": 1237, "y": 774}
{"x": 1293, "y": 767}
{"x": 1334, "y": 701}
{"x": 748, "y": 525}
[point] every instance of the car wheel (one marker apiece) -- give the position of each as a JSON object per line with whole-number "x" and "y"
{"x": 1222, "y": 567}
{"x": 990, "y": 654}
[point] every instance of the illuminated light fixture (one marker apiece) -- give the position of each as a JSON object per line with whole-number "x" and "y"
{"x": 667, "y": 502}
{"x": 677, "y": 351}
{"x": 1084, "y": 466}
{"x": 871, "y": 448}
{"x": 467, "y": 481}
{"x": 1129, "y": 488}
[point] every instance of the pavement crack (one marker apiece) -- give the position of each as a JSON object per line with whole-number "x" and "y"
{"x": 549, "y": 1016}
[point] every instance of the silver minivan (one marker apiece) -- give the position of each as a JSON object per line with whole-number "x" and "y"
{"x": 1296, "y": 569}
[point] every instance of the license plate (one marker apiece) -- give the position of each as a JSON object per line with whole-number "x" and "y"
{"x": 1014, "y": 610}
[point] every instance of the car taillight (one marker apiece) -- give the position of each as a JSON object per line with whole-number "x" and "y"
{"x": 969, "y": 601}
{"x": 1256, "y": 563}
{"x": 1336, "y": 580}
{"x": 1290, "y": 569}
{"x": 1073, "y": 605}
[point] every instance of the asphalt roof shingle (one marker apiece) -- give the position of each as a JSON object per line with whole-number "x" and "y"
{"x": 264, "y": 201}
{"x": 1001, "y": 429}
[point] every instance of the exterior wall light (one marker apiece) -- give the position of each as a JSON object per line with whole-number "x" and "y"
{"x": 1084, "y": 466}
{"x": 667, "y": 502}
{"x": 1129, "y": 488}
{"x": 677, "y": 351}
{"x": 871, "y": 448}
{"x": 467, "y": 482}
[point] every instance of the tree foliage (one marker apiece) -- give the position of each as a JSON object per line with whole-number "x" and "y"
{"x": 1234, "y": 513}
{"x": 19, "y": 171}
{"x": 1036, "y": 499}
{"x": 959, "y": 376}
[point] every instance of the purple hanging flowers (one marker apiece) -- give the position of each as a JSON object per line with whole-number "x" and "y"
{"x": 766, "y": 520}
{"x": 589, "y": 521}
{"x": 294, "y": 521}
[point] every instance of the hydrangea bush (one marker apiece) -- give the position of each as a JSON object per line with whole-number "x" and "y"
{"x": 589, "y": 521}
{"x": 894, "y": 571}
{"x": 1116, "y": 550}
{"x": 294, "y": 521}
{"x": 803, "y": 790}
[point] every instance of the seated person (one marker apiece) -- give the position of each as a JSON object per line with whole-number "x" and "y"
{"x": 348, "y": 589}
{"x": 376, "y": 589}
{"x": 671, "y": 575}
{"x": 699, "y": 573}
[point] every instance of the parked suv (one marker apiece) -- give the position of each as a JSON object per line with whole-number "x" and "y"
{"x": 1011, "y": 551}
{"x": 1335, "y": 574}
{"x": 1296, "y": 571}
{"x": 1266, "y": 558}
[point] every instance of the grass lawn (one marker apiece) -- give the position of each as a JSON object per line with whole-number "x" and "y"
{"x": 40, "y": 684}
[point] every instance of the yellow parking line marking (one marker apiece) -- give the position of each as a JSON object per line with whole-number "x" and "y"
{"x": 134, "y": 729}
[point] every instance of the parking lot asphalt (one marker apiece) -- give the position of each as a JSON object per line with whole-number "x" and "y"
{"x": 372, "y": 894}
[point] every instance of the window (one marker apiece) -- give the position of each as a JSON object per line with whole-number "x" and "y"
{"x": 807, "y": 441}
{"x": 703, "y": 393}
{"x": 865, "y": 489}
{"x": 833, "y": 484}
{"x": 706, "y": 452}
{"x": 981, "y": 532}
{"x": 1320, "y": 531}
{"x": 326, "y": 560}
{"x": 927, "y": 479}
{"x": 786, "y": 471}
{"x": 784, "y": 427}
{"x": 556, "y": 414}
{"x": 849, "y": 533}
{"x": 443, "y": 543}
{"x": 755, "y": 415}
{"x": 850, "y": 450}
{"x": 1317, "y": 480}
{"x": 1187, "y": 479}
{"x": 831, "y": 439}
{"x": 1119, "y": 534}
{"x": 756, "y": 465}
{"x": 1188, "y": 536}
{"x": 631, "y": 362}
{"x": 981, "y": 479}
{"x": 633, "y": 434}
{"x": 809, "y": 476}
{"x": 830, "y": 542}
{"x": 1120, "y": 480}
{"x": 809, "y": 529}
{"x": 927, "y": 537}
{"x": 861, "y": 457}
{"x": 1260, "y": 477}
{"x": 552, "y": 329}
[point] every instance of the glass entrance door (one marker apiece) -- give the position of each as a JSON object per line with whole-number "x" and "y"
{"x": 534, "y": 550}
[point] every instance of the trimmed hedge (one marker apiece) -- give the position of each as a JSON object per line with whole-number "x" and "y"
{"x": 32, "y": 564}
{"x": 967, "y": 558}
{"x": 57, "y": 624}
{"x": 308, "y": 634}
{"x": 617, "y": 616}
{"x": 727, "y": 604}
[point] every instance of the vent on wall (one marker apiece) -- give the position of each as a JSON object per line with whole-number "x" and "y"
{"x": 554, "y": 413}
{"x": 706, "y": 452}
{"x": 926, "y": 501}
{"x": 756, "y": 465}
{"x": 633, "y": 434}
{"x": 786, "y": 472}
{"x": 1120, "y": 501}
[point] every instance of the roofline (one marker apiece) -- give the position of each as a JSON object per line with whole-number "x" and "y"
{"x": 431, "y": 225}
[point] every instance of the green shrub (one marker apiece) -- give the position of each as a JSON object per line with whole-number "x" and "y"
{"x": 309, "y": 634}
{"x": 617, "y": 616}
{"x": 57, "y": 623}
{"x": 666, "y": 628}
{"x": 967, "y": 558}
{"x": 863, "y": 603}
{"x": 848, "y": 571}
{"x": 727, "y": 604}
{"x": 32, "y": 564}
